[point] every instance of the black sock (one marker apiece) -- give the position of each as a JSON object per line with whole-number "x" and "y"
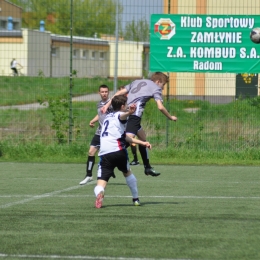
{"x": 133, "y": 149}
{"x": 89, "y": 165}
{"x": 144, "y": 156}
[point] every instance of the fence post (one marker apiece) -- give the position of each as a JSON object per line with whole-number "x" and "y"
{"x": 168, "y": 92}
{"x": 71, "y": 79}
{"x": 116, "y": 50}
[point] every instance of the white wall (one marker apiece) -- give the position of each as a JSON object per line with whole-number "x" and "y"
{"x": 38, "y": 44}
{"x": 129, "y": 59}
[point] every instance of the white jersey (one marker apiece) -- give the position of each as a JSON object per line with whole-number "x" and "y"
{"x": 112, "y": 137}
{"x": 13, "y": 64}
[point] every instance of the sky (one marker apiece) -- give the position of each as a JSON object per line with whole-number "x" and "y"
{"x": 138, "y": 9}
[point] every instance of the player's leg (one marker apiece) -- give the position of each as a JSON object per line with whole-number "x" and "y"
{"x": 148, "y": 170}
{"x": 134, "y": 152}
{"x": 131, "y": 181}
{"x": 133, "y": 125}
{"x": 94, "y": 146}
{"x": 99, "y": 191}
{"x": 15, "y": 71}
{"x": 134, "y": 128}
{"x": 105, "y": 172}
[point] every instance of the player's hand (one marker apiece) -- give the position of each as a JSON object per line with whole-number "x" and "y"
{"x": 148, "y": 145}
{"x": 174, "y": 118}
{"x": 131, "y": 109}
{"x": 91, "y": 124}
{"x": 104, "y": 109}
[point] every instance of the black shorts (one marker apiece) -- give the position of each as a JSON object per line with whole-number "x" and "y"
{"x": 95, "y": 141}
{"x": 133, "y": 125}
{"x": 108, "y": 162}
{"x": 15, "y": 70}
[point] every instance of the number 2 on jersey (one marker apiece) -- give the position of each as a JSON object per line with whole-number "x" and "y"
{"x": 105, "y": 133}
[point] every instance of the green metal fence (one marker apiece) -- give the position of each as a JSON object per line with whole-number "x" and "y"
{"x": 65, "y": 49}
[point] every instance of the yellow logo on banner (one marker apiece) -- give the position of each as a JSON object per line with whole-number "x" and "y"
{"x": 247, "y": 77}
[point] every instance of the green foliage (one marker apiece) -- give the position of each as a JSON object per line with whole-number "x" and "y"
{"x": 255, "y": 102}
{"x": 212, "y": 133}
{"x": 95, "y": 16}
{"x": 136, "y": 31}
{"x": 89, "y": 16}
{"x": 41, "y": 74}
{"x": 59, "y": 108}
{"x": 196, "y": 137}
{"x": 74, "y": 73}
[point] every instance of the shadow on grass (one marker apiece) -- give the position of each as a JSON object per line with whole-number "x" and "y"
{"x": 143, "y": 204}
{"x": 110, "y": 183}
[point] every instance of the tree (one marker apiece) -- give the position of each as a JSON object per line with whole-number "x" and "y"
{"x": 89, "y": 16}
{"x": 99, "y": 16}
{"x": 136, "y": 31}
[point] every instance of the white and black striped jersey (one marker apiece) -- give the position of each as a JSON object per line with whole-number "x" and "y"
{"x": 112, "y": 137}
{"x": 140, "y": 92}
{"x": 101, "y": 116}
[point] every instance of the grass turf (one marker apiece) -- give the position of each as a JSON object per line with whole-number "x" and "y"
{"x": 189, "y": 212}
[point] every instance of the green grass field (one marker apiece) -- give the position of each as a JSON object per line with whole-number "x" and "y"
{"x": 189, "y": 212}
{"x": 26, "y": 90}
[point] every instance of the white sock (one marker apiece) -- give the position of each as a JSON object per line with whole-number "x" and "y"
{"x": 131, "y": 181}
{"x": 98, "y": 189}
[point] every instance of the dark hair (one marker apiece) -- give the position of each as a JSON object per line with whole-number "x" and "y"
{"x": 118, "y": 101}
{"x": 121, "y": 87}
{"x": 160, "y": 76}
{"x": 103, "y": 86}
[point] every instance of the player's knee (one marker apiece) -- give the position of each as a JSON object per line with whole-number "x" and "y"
{"x": 128, "y": 173}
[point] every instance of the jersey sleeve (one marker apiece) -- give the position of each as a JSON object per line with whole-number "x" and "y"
{"x": 128, "y": 87}
{"x": 121, "y": 121}
{"x": 158, "y": 95}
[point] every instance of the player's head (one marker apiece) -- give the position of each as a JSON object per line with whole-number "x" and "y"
{"x": 122, "y": 87}
{"x": 118, "y": 102}
{"x": 103, "y": 92}
{"x": 160, "y": 79}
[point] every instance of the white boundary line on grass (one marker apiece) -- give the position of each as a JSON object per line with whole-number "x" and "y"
{"x": 84, "y": 257}
{"x": 53, "y": 194}
{"x": 37, "y": 197}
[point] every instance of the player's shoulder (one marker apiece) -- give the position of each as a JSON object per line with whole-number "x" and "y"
{"x": 137, "y": 81}
{"x": 140, "y": 83}
{"x": 113, "y": 114}
{"x": 99, "y": 103}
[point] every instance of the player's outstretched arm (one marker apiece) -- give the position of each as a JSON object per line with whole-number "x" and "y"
{"x": 105, "y": 107}
{"x": 137, "y": 141}
{"x": 93, "y": 121}
{"x": 108, "y": 104}
{"x": 131, "y": 110}
{"x": 164, "y": 111}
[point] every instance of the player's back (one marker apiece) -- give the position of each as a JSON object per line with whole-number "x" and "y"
{"x": 140, "y": 92}
{"x": 112, "y": 136}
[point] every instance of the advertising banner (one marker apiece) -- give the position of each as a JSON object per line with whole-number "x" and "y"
{"x": 204, "y": 43}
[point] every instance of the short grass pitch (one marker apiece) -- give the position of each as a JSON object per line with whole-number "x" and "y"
{"x": 189, "y": 212}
